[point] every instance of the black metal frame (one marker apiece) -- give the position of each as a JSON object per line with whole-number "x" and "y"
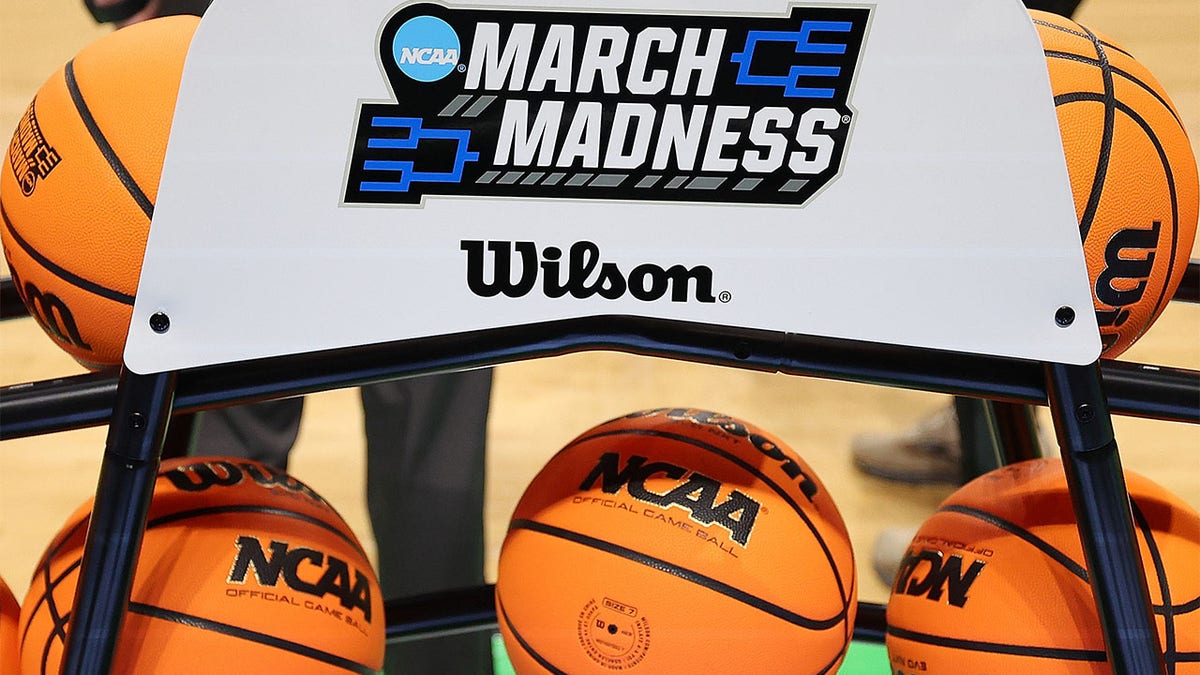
{"x": 138, "y": 408}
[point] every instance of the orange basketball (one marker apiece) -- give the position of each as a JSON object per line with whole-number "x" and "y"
{"x": 1133, "y": 175}
{"x": 243, "y": 569}
{"x": 676, "y": 541}
{"x": 78, "y": 189}
{"x": 10, "y": 613}
{"x": 995, "y": 581}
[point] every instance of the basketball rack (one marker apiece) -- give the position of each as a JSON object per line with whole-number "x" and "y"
{"x": 226, "y": 346}
{"x": 138, "y": 409}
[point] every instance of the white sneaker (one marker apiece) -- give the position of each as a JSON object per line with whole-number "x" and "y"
{"x": 890, "y": 547}
{"x": 928, "y": 452}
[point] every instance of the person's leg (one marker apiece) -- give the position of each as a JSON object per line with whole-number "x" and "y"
{"x": 264, "y": 432}
{"x": 425, "y": 492}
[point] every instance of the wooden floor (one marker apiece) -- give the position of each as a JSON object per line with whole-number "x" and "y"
{"x": 539, "y": 405}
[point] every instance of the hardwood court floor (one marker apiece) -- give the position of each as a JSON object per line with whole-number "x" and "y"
{"x": 540, "y": 405}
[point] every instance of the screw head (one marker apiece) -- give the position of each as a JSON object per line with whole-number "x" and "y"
{"x": 1065, "y": 316}
{"x": 1084, "y": 413}
{"x": 160, "y": 322}
{"x": 742, "y": 351}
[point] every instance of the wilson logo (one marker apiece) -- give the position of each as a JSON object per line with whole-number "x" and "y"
{"x": 201, "y": 476}
{"x": 517, "y": 267}
{"x": 695, "y": 493}
{"x": 51, "y": 312}
{"x": 350, "y": 586}
{"x": 1128, "y": 262}
{"x": 731, "y": 426}
{"x": 931, "y": 573}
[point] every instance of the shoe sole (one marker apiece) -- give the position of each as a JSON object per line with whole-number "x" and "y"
{"x": 902, "y": 477}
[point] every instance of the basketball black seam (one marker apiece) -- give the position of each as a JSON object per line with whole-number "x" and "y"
{"x": 681, "y": 572}
{"x": 1068, "y": 31}
{"x": 249, "y": 635}
{"x": 521, "y": 641}
{"x": 1027, "y": 536}
{"x": 58, "y": 627}
{"x": 106, "y": 149}
{"x": 59, "y": 271}
{"x": 1127, "y": 76}
{"x": 1085, "y": 220}
{"x": 1106, "y": 138}
{"x": 251, "y": 508}
{"x": 1164, "y": 589}
{"x": 1165, "y": 293}
{"x": 812, "y": 528}
{"x": 47, "y": 596}
{"x": 50, "y": 642}
{"x": 1059, "y": 653}
{"x": 55, "y": 548}
{"x": 1182, "y": 608}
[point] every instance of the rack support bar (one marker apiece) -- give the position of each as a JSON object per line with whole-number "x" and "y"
{"x": 114, "y": 538}
{"x": 1101, "y": 501}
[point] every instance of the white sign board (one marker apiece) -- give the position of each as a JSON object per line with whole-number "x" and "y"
{"x": 353, "y": 173}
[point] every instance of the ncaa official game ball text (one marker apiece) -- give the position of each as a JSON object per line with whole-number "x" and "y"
{"x": 676, "y": 541}
{"x": 243, "y": 569}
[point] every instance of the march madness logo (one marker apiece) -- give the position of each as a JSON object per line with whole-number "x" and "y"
{"x": 625, "y": 106}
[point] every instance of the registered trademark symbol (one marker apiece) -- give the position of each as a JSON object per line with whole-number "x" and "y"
{"x": 725, "y": 296}
{"x": 462, "y": 68}
{"x": 845, "y": 118}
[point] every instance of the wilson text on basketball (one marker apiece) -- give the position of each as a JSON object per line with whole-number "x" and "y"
{"x": 726, "y": 424}
{"x": 50, "y": 311}
{"x": 201, "y": 476}
{"x": 1128, "y": 264}
{"x": 941, "y": 574}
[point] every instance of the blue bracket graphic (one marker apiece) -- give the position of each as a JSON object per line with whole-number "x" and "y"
{"x": 802, "y": 40}
{"x": 408, "y": 173}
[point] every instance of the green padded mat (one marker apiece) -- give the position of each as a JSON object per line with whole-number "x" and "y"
{"x": 863, "y": 658}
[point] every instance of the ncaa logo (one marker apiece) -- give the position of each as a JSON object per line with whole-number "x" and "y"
{"x": 426, "y": 48}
